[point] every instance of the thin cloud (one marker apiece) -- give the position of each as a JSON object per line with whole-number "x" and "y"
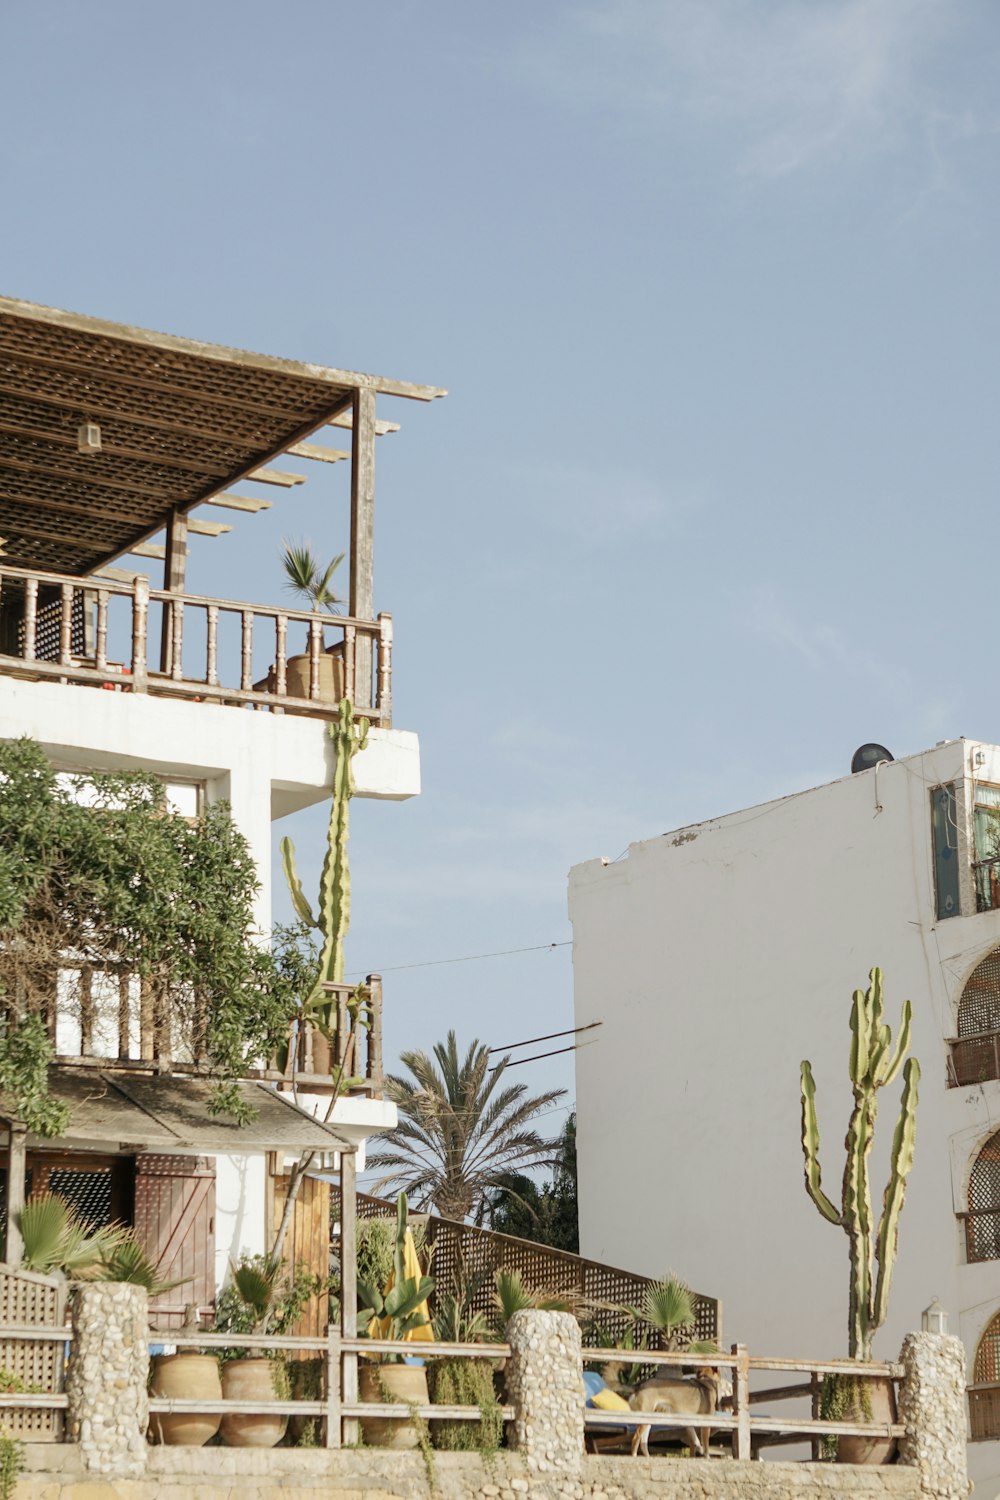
{"x": 797, "y": 83}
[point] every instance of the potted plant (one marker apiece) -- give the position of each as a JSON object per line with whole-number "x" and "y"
{"x": 257, "y": 1295}
{"x": 397, "y": 1312}
{"x": 461, "y": 1381}
{"x": 306, "y": 577}
{"x": 874, "y": 1063}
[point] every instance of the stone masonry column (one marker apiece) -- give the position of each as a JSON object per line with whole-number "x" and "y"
{"x": 545, "y": 1386}
{"x": 932, "y": 1408}
{"x": 106, "y": 1378}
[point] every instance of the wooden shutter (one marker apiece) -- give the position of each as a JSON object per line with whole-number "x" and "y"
{"x": 175, "y": 1220}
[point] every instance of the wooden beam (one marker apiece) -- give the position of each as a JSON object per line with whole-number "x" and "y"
{"x": 314, "y": 450}
{"x": 349, "y": 1282}
{"x": 117, "y": 575}
{"x": 207, "y": 528}
{"x": 16, "y": 1162}
{"x": 275, "y": 476}
{"x": 346, "y": 419}
{"x": 149, "y": 549}
{"x": 362, "y": 585}
{"x": 174, "y": 574}
{"x": 239, "y": 502}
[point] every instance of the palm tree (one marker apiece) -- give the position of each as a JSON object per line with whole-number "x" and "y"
{"x": 462, "y": 1130}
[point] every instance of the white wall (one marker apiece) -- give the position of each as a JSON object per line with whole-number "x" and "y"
{"x": 717, "y": 958}
{"x": 239, "y": 1210}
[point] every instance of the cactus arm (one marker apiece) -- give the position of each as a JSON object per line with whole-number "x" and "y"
{"x": 859, "y": 1037}
{"x": 903, "y": 1143}
{"x": 876, "y": 999}
{"x": 810, "y": 1147}
{"x": 857, "y": 1219}
{"x": 295, "y": 890}
{"x": 894, "y": 1064}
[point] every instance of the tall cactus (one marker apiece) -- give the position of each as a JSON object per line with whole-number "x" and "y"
{"x": 334, "y": 911}
{"x": 873, "y": 1064}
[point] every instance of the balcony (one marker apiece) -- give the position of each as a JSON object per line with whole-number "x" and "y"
{"x": 973, "y": 1059}
{"x": 128, "y": 637}
{"x": 116, "y": 1023}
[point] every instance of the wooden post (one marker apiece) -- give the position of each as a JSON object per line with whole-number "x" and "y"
{"x": 816, "y": 1385}
{"x": 66, "y": 625}
{"x": 30, "y": 617}
{"x": 384, "y": 693}
{"x": 16, "y": 1160}
{"x": 741, "y": 1401}
{"x": 349, "y": 1286}
{"x": 174, "y": 572}
{"x": 362, "y": 592}
{"x": 374, "y": 1069}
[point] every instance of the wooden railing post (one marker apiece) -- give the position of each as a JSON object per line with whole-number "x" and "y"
{"x": 373, "y": 1070}
{"x": 66, "y": 625}
{"x": 16, "y": 1162}
{"x": 140, "y": 629}
{"x": 741, "y": 1402}
{"x": 332, "y": 1388}
{"x": 30, "y": 617}
{"x": 349, "y": 1288}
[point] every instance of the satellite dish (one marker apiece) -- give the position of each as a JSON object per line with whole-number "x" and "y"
{"x": 867, "y": 756}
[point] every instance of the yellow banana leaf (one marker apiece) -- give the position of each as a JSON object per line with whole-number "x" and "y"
{"x": 381, "y": 1328}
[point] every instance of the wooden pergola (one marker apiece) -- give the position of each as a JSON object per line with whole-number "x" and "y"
{"x": 110, "y": 434}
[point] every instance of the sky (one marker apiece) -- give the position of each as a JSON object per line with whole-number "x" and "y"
{"x": 713, "y": 287}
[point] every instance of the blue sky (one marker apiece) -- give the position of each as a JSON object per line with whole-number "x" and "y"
{"x": 713, "y": 285}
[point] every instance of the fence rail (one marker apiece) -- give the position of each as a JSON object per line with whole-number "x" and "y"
{"x": 62, "y": 628}
{"x": 748, "y": 1432}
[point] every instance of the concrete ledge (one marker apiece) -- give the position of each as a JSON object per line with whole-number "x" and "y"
{"x": 53, "y": 1472}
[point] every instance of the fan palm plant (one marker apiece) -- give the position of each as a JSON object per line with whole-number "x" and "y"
{"x": 462, "y": 1129}
{"x": 306, "y": 576}
{"x": 667, "y": 1305}
{"x": 58, "y": 1243}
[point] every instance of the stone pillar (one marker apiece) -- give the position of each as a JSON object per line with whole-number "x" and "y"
{"x": 545, "y": 1386}
{"x": 932, "y": 1409}
{"x": 106, "y": 1378}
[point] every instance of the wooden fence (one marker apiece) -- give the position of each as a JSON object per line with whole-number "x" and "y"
{"x": 62, "y": 628}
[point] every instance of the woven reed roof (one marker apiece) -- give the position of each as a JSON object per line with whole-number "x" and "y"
{"x": 180, "y": 422}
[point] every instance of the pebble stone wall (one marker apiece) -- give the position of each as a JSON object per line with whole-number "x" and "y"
{"x": 544, "y": 1385}
{"x": 932, "y": 1409}
{"x": 106, "y": 1378}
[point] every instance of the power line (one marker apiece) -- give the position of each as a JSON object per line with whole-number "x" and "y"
{"x": 550, "y": 1037}
{"x": 471, "y": 958}
{"x": 537, "y": 1056}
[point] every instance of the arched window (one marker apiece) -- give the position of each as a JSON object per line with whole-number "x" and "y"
{"x": 982, "y": 1222}
{"x": 975, "y": 1056}
{"x": 984, "y": 1402}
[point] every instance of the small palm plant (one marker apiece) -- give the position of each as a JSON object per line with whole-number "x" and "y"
{"x": 57, "y": 1242}
{"x": 667, "y": 1305}
{"x": 306, "y": 576}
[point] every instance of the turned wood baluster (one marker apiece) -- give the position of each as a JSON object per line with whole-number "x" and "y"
{"x": 315, "y": 647}
{"x": 280, "y": 655}
{"x": 66, "y": 626}
{"x": 374, "y": 1069}
{"x": 102, "y": 629}
{"x": 176, "y": 640}
{"x": 140, "y": 626}
{"x": 350, "y": 660}
{"x": 212, "y": 662}
{"x": 30, "y": 617}
{"x": 246, "y": 671}
{"x": 384, "y": 694}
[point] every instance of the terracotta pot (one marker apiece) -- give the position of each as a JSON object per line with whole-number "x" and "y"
{"x": 331, "y": 677}
{"x": 406, "y": 1384}
{"x": 250, "y": 1380}
{"x": 193, "y": 1376}
{"x": 870, "y": 1450}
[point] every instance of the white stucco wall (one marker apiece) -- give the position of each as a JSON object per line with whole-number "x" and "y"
{"x": 239, "y": 1210}
{"x": 717, "y": 958}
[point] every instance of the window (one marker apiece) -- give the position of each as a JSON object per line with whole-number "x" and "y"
{"x": 975, "y": 1056}
{"x": 984, "y": 1404}
{"x": 986, "y": 821}
{"x": 982, "y": 1222}
{"x": 944, "y": 829}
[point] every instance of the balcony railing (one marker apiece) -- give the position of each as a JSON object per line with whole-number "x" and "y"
{"x": 116, "y": 1020}
{"x": 973, "y": 1059}
{"x": 982, "y": 1234}
{"x": 101, "y": 632}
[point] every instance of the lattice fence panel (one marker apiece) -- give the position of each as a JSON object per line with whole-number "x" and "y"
{"x": 27, "y": 1300}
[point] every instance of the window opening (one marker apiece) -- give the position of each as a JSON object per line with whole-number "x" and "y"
{"x": 984, "y": 1404}
{"x": 986, "y": 825}
{"x": 944, "y": 831}
{"x": 975, "y": 1056}
{"x": 982, "y": 1222}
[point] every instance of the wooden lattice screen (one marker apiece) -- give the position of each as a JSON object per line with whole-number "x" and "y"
{"x": 31, "y": 1301}
{"x": 463, "y": 1252}
{"x": 979, "y": 1007}
{"x": 984, "y": 1404}
{"x": 983, "y": 1221}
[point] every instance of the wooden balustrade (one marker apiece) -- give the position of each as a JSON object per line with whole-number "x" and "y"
{"x": 53, "y": 626}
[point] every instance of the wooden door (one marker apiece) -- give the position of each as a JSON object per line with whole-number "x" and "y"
{"x": 175, "y": 1220}
{"x": 307, "y": 1244}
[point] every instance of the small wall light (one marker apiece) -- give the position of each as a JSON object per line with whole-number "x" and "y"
{"x": 934, "y": 1319}
{"x": 88, "y": 438}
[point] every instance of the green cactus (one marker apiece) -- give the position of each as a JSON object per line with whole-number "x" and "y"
{"x": 873, "y": 1064}
{"x": 334, "y": 909}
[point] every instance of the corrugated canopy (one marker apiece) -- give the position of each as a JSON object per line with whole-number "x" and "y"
{"x": 143, "y": 1112}
{"x": 180, "y": 422}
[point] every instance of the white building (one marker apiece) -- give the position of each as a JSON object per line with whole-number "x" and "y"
{"x": 118, "y": 446}
{"x": 717, "y": 957}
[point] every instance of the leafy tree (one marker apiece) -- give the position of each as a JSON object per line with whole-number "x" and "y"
{"x": 462, "y": 1129}
{"x": 547, "y": 1214}
{"x": 96, "y": 872}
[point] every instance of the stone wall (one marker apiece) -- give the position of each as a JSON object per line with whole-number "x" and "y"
{"x": 56, "y": 1473}
{"x": 932, "y": 1409}
{"x": 106, "y": 1377}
